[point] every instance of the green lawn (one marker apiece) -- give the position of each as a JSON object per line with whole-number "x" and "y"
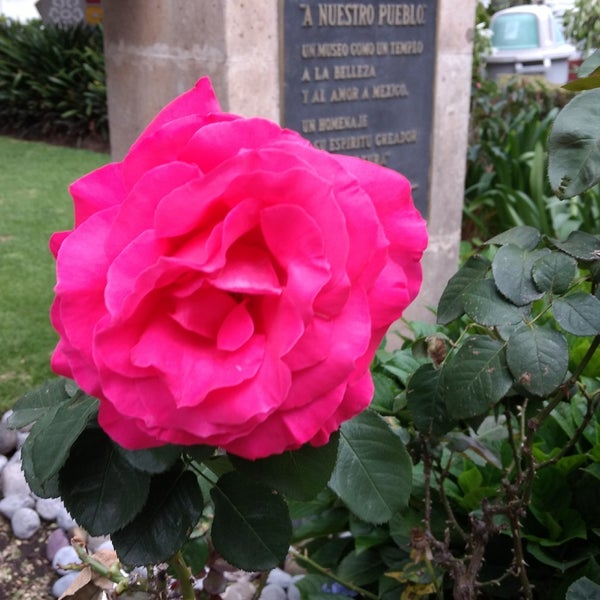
{"x": 34, "y": 202}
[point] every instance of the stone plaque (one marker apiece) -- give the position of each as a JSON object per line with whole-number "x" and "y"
{"x": 358, "y": 79}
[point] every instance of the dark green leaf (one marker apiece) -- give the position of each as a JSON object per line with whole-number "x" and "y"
{"x": 361, "y": 568}
{"x": 401, "y": 364}
{"x": 100, "y": 489}
{"x": 554, "y": 272}
{"x": 367, "y": 535}
{"x": 450, "y": 306}
{"x": 583, "y": 589}
{"x": 476, "y": 377}
{"x": 36, "y": 403}
{"x": 578, "y": 313}
{"x": 173, "y": 507}
{"x": 574, "y": 153}
{"x": 152, "y": 460}
{"x": 523, "y": 236}
{"x": 426, "y": 402}
{"x": 538, "y": 358}
{"x": 318, "y": 587}
{"x": 300, "y": 474}
{"x": 327, "y": 522}
{"x": 512, "y": 273}
{"x": 251, "y": 528}
{"x": 386, "y": 390}
{"x": 484, "y": 304}
{"x": 580, "y": 245}
{"x": 373, "y": 474}
{"x": 199, "y": 453}
{"x": 49, "y": 443}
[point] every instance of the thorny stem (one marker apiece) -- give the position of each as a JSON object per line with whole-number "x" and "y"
{"x": 355, "y": 588}
{"x": 184, "y": 576}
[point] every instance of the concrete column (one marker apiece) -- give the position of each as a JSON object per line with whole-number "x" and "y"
{"x": 456, "y": 21}
{"x": 157, "y": 49}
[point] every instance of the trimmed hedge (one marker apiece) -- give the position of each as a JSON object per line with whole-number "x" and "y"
{"x": 52, "y": 81}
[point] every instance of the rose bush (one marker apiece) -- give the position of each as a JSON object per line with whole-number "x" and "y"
{"x": 228, "y": 284}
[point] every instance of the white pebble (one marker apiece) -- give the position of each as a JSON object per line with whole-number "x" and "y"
{"x": 25, "y": 522}
{"x": 272, "y": 592}
{"x": 61, "y": 585}
{"x": 293, "y": 593}
{"x": 48, "y": 508}
{"x": 9, "y": 505}
{"x": 241, "y": 590}
{"x": 13, "y": 481}
{"x": 63, "y": 557}
{"x": 64, "y": 520}
{"x": 279, "y": 577}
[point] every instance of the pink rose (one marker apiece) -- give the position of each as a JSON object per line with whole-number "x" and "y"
{"x": 228, "y": 284}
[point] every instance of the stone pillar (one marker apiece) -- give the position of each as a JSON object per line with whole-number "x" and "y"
{"x": 456, "y": 21}
{"x": 157, "y": 49}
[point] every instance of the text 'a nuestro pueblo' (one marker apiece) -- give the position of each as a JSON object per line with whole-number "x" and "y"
{"x": 360, "y": 14}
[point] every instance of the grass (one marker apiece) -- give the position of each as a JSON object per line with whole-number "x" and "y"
{"x": 34, "y": 202}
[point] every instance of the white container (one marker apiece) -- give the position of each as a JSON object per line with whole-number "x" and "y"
{"x": 527, "y": 40}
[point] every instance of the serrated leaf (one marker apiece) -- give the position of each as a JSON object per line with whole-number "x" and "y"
{"x": 574, "y": 154}
{"x": 583, "y": 589}
{"x": 512, "y": 273}
{"x": 484, "y": 304}
{"x": 523, "y": 236}
{"x": 538, "y": 358}
{"x": 361, "y": 568}
{"x": 327, "y": 522}
{"x": 152, "y": 460}
{"x": 300, "y": 474}
{"x": 580, "y": 245}
{"x": 89, "y": 479}
{"x": 36, "y": 403}
{"x": 554, "y": 272}
{"x": 476, "y": 377}
{"x": 49, "y": 443}
{"x": 578, "y": 313}
{"x": 450, "y": 306}
{"x": 160, "y": 529}
{"x": 386, "y": 390}
{"x": 251, "y": 527}
{"x": 426, "y": 402}
{"x": 373, "y": 474}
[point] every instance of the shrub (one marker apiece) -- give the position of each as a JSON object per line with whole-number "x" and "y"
{"x": 506, "y": 184}
{"x": 52, "y": 81}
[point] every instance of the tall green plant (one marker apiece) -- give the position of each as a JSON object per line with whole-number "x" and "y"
{"x": 52, "y": 80}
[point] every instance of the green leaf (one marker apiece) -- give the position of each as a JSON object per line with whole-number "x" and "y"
{"x": 329, "y": 521}
{"x": 583, "y": 589}
{"x": 49, "y": 443}
{"x": 386, "y": 391}
{"x": 426, "y": 402}
{"x": 574, "y": 152}
{"x": 578, "y": 313}
{"x": 538, "y": 358}
{"x": 554, "y": 272}
{"x": 160, "y": 529}
{"x": 152, "y": 460}
{"x": 300, "y": 474}
{"x": 89, "y": 478}
{"x": 373, "y": 473}
{"x": 367, "y": 535}
{"x": 199, "y": 453}
{"x": 523, "y": 236}
{"x": 361, "y": 569}
{"x": 512, "y": 273}
{"x": 251, "y": 528}
{"x": 484, "y": 304}
{"x": 38, "y": 402}
{"x": 450, "y": 306}
{"x": 476, "y": 377}
{"x": 583, "y": 83}
{"x": 580, "y": 245}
